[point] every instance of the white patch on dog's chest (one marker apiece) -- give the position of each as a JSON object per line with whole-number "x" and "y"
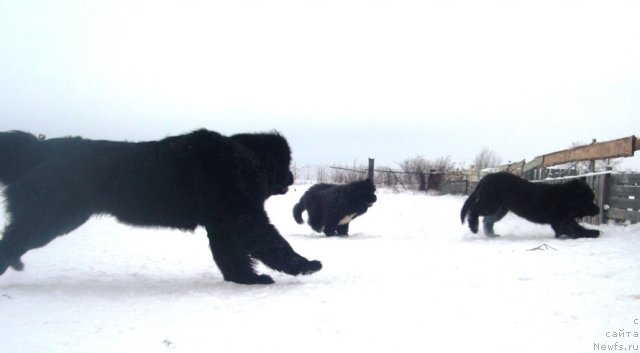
{"x": 347, "y": 219}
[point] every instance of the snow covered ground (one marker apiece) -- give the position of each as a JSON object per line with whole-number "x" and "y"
{"x": 410, "y": 278}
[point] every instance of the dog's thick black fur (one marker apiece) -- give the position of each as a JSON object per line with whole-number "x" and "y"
{"x": 331, "y": 207}
{"x": 556, "y": 204}
{"x": 197, "y": 179}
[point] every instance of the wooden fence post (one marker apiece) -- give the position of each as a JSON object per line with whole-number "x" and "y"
{"x": 603, "y": 190}
{"x": 370, "y": 172}
{"x": 423, "y": 182}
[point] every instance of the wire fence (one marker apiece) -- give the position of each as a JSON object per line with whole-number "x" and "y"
{"x": 382, "y": 176}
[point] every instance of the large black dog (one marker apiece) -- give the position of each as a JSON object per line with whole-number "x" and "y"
{"x": 331, "y": 207}
{"x": 197, "y": 179}
{"x": 556, "y": 204}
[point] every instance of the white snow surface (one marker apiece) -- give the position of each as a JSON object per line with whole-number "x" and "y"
{"x": 409, "y": 278}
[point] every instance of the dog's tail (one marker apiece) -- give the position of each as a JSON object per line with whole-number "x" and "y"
{"x": 297, "y": 212}
{"x": 16, "y": 154}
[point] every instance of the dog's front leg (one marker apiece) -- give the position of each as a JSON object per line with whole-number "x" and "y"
{"x": 233, "y": 261}
{"x": 582, "y": 232}
{"x": 263, "y": 242}
{"x": 573, "y": 230}
{"x": 343, "y": 229}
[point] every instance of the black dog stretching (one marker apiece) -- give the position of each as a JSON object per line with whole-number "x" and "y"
{"x": 331, "y": 207}
{"x": 556, "y": 204}
{"x": 197, "y": 179}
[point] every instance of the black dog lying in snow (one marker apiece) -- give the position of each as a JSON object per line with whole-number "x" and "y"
{"x": 556, "y": 204}
{"x": 197, "y": 179}
{"x": 331, "y": 207}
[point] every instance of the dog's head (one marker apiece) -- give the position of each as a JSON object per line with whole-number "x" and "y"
{"x": 274, "y": 154}
{"x": 581, "y": 199}
{"x": 365, "y": 192}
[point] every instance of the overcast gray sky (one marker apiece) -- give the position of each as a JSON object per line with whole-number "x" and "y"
{"x": 342, "y": 80}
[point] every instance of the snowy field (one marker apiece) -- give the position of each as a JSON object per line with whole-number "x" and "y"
{"x": 410, "y": 278}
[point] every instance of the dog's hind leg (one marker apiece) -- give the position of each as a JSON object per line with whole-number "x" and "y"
{"x": 330, "y": 228}
{"x": 22, "y": 234}
{"x": 489, "y": 220}
{"x": 472, "y": 219}
{"x": 314, "y": 219}
{"x": 8, "y": 258}
{"x": 37, "y": 216}
{"x": 40, "y": 209}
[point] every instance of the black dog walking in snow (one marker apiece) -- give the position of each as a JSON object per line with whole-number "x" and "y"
{"x": 330, "y": 207}
{"x": 197, "y": 179}
{"x": 556, "y": 204}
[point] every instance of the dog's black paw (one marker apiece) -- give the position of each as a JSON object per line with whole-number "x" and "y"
{"x": 591, "y": 233}
{"x": 255, "y": 279}
{"x": 584, "y": 233}
{"x": 303, "y": 266}
{"x": 17, "y": 265}
{"x": 311, "y": 267}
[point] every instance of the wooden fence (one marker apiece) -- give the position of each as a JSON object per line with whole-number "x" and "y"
{"x": 456, "y": 187}
{"x": 623, "y": 197}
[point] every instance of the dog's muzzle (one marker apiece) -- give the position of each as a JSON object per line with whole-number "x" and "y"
{"x": 282, "y": 189}
{"x": 594, "y": 210}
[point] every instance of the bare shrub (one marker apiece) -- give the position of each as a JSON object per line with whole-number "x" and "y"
{"x": 294, "y": 170}
{"x": 486, "y": 159}
{"x": 384, "y": 176}
{"x": 341, "y": 174}
{"x": 321, "y": 175}
{"x": 443, "y": 165}
{"x": 412, "y": 168}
